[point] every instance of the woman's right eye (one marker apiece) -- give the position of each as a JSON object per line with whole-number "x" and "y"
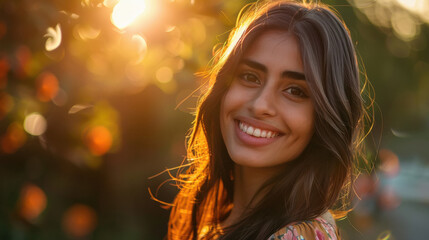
{"x": 249, "y": 77}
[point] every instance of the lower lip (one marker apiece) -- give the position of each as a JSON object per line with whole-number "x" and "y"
{"x": 251, "y": 140}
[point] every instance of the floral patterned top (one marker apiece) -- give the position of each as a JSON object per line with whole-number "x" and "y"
{"x": 316, "y": 229}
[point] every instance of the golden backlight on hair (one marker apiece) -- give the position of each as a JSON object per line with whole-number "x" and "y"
{"x": 206, "y": 181}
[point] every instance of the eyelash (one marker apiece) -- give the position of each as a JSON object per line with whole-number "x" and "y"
{"x": 245, "y": 75}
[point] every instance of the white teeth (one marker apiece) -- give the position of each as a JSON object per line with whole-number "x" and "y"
{"x": 256, "y": 131}
{"x": 249, "y": 130}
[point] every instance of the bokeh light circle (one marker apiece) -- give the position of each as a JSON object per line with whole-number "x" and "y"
{"x": 35, "y": 124}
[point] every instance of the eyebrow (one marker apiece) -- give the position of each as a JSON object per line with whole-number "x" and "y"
{"x": 261, "y": 67}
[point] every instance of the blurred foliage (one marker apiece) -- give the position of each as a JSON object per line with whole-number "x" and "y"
{"x": 89, "y": 103}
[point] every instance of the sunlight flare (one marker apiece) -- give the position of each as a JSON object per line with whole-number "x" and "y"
{"x": 126, "y": 12}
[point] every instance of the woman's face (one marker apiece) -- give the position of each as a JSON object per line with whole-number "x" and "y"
{"x": 267, "y": 115}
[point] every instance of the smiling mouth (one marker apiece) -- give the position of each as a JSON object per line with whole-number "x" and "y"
{"x": 256, "y": 132}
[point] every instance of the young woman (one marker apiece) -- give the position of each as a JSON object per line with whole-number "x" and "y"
{"x": 276, "y": 135}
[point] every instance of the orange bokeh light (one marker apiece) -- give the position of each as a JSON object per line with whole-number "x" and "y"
{"x": 6, "y": 104}
{"x": 99, "y": 140}
{"x": 4, "y": 67}
{"x": 23, "y": 56}
{"x": 3, "y": 29}
{"x": 365, "y": 185}
{"x": 388, "y": 198}
{"x": 389, "y": 164}
{"x": 47, "y": 86}
{"x": 32, "y": 202}
{"x": 13, "y": 139}
{"x": 79, "y": 220}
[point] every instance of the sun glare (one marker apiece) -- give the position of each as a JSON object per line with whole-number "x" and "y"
{"x": 126, "y": 12}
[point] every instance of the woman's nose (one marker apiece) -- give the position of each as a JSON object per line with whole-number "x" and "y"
{"x": 263, "y": 103}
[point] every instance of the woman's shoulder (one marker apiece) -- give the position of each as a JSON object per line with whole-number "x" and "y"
{"x": 315, "y": 229}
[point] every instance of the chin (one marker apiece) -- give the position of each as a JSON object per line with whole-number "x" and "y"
{"x": 253, "y": 161}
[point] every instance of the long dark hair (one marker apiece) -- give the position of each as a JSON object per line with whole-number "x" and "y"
{"x": 321, "y": 176}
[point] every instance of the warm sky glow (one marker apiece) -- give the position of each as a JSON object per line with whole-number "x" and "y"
{"x": 126, "y": 11}
{"x": 403, "y": 16}
{"x": 414, "y": 5}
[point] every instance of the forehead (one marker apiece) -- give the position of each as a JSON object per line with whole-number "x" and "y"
{"x": 275, "y": 46}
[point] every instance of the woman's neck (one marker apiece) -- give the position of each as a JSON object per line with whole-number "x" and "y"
{"x": 247, "y": 182}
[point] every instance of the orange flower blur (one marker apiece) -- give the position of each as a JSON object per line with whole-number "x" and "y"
{"x": 47, "y": 86}
{"x": 32, "y": 202}
{"x": 13, "y": 139}
{"x": 99, "y": 140}
{"x": 79, "y": 220}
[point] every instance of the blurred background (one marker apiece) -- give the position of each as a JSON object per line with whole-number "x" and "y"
{"x": 89, "y": 112}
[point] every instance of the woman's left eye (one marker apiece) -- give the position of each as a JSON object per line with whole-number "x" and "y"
{"x": 295, "y": 91}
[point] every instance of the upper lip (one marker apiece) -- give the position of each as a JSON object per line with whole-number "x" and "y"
{"x": 258, "y": 124}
